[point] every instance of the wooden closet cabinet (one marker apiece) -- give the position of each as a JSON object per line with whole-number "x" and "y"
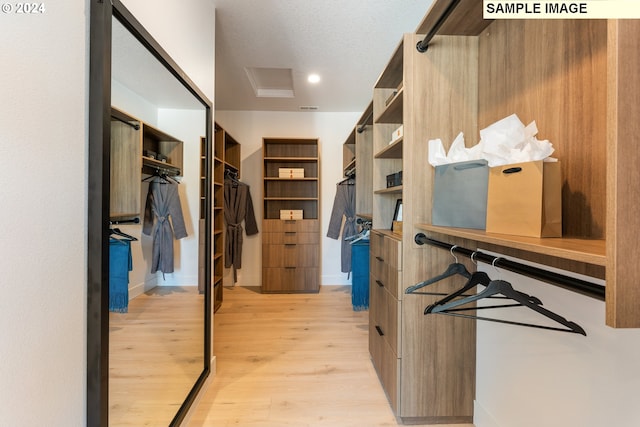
{"x": 226, "y": 156}
{"x": 291, "y": 225}
{"x": 578, "y": 79}
{"x": 290, "y": 255}
{"x": 385, "y": 277}
{"x": 425, "y": 363}
{"x": 137, "y": 148}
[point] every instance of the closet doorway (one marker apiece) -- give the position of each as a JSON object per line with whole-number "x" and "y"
{"x": 145, "y": 365}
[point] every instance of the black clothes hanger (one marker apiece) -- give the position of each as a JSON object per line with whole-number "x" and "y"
{"x": 350, "y": 180}
{"x": 504, "y": 288}
{"x": 164, "y": 177}
{"x": 232, "y": 176}
{"x": 117, "y": 232}
{"x": 453, "y": 269}
{"x": 477, "y": 278}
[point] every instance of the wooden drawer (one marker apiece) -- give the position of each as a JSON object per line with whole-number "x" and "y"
{"x": 383, "y": 313}
{"x": 387, "y": 365}
{"x": 290, "y": 255}
{"x": 281, "y": 226}
{"x": 291, "y": 237}
{"x": 393, "y": 253}
{"x": 385, "y": 274}
{"x": 290, "y": 279}
{"x": 376, "y": 244}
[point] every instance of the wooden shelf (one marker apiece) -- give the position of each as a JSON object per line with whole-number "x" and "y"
{"x": 581, "y": 250}
{"x": 390, "y": 190}
{"x": 291, "y": 159}
{"x": 365, "y": 216}
{"x": 392, "y": 151}
{"x": 391, "y": 76}
{"x": 156, "y": 164}
{"x": 290, "y": 198}
{"x": 393, "y": 112}
{"x": 466, "y": 19}
{"x": 274, "y": 178}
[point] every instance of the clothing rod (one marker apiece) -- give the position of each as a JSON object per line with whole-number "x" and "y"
{"x": 136, "y": 126}
{"x": 574, "y": 284}
{"x": 364, "y": 125}
{"x": 423, "y": 45}
{"x": 126, "y": 221}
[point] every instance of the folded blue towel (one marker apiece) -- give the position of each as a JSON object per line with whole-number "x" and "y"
{"x": 120, "y": 264}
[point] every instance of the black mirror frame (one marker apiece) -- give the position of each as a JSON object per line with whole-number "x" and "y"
{"x": 101, "y": 15}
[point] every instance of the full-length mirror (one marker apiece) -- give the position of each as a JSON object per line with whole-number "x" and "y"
{"x": 158, "y": 198}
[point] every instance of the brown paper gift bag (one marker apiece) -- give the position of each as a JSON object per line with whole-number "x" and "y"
{"x": 525, "y": 199}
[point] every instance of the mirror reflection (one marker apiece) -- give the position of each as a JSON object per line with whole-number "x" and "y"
{"x": 156, "y": 283}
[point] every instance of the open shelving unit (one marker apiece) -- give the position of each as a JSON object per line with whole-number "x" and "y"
{"x": 226, "y": 156}
{"x": 291, "y": 209}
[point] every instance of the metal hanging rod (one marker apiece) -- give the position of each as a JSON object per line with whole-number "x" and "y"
{"x": 578, "y": 285}
{"x": 362, "y": 127}
{"x": 125, "y": 221}
{"x": 136, "y": 126}
{"x": 423, "y": 45}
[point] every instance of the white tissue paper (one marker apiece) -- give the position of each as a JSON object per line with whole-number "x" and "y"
{"x": 504, "y": 142}
{"x": 508, "y": 141}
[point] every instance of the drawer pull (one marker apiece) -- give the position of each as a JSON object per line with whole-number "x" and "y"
{"x": 380, "y": 259}
{"x": 289, "y": 232}
{"x": 379, "y": 331}
{"x": 380, "y": 283}
{"x": 290, "y": 267}
{"x": 290, "y": 244}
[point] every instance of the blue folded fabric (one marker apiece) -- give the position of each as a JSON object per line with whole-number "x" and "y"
{"x": 120, "y": 264}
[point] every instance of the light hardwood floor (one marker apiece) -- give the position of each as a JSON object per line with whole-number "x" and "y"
{"x": 155, "y": 355}
{"x": 292, "y": 360}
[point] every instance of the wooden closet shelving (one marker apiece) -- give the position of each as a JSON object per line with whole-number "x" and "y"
{"x": 136, "y": 149}
{"x": 426, "y": 365}
{"x": 291, "y": 243}
{"x": 357, "y": 154}
{"x": 582, "y": 91}
{"x": 226, "y": 156}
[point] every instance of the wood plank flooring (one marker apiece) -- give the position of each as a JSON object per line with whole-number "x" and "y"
{"x": 292, "y": 360}
{"x": 156, "y": 353}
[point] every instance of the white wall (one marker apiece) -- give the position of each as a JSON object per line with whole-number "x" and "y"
{"x": 248, "y": 128}
{"x": 43, "y": 151}
{"x": 532, "y": 377}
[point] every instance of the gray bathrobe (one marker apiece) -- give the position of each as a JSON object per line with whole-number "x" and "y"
{"x": 344, "y": 204}
{"x": 163, "y": 202}
{"x": 238, "y": 207}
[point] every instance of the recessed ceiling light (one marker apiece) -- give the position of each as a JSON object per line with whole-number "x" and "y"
{"x": 313, "y": 78}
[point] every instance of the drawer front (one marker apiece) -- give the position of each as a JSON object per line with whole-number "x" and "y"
{"x": 393, "y": 253}
{"x": 376, "y": 244}
{"x": 385, "y": 274}
{"x": 300, "y": 226}
{"x": 387, "y": 365}
{"x": 290, "y": 280}
{"x": 290, "y": 255}
{"x": 377, "y": 266}
{"x": 291, "y": 237}
{"x": 383, "y": 314}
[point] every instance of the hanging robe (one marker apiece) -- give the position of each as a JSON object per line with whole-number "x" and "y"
{"x": 344, "y": 204}
{"x": 238, "y": 207}
{"x": 163, "y": 202}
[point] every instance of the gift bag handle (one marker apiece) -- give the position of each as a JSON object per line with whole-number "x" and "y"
{"x": 469, "y": 166}
{"x": 512, "y": 170}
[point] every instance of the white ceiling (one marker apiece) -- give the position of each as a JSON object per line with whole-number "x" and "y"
{"x": 346, "y": 42}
